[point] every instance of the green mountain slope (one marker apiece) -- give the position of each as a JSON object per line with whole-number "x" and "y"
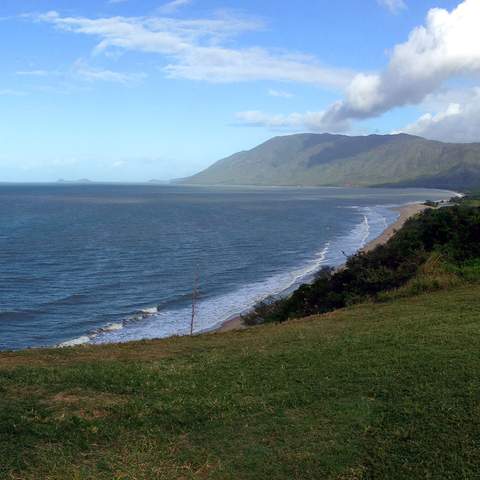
{"x": 339, "y": 160}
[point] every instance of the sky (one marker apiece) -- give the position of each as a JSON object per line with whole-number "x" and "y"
{"x": 132, "y": 90}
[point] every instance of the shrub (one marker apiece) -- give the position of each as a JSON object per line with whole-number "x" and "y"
{"x": 415, "y": 258}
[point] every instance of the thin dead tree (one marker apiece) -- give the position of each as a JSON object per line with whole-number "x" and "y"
{"x": 194, "y": 300}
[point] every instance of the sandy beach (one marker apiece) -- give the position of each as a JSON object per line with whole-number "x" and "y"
{"x": 405, "y": 211}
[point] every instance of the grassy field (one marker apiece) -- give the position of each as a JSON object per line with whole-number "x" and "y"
{"x": 472, "y": 202}
{"x": 472, "y": 199}
{"x": 377, "y": 391}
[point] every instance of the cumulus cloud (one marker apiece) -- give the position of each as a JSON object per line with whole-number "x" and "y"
{"x": 428, "y": 121}
{"x": 446, "y": 48}
{"x": 195, "y": 48}
{"x": 458, "y": 122}
{"x": 393, "y": 5}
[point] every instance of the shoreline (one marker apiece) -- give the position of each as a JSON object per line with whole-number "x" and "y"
{"x": 235, "y": 322}
{"x": 405, "y": 212}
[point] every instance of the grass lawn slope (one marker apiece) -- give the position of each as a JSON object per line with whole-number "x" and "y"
{"x": 378, "y": 390}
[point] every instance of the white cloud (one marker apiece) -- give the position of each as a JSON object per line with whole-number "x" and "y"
{"x": 34, "y": 73}
{"x": 393, "y": 5}
{"x": 119, "y": 163}
{"x": 84, "y": 71}
{"x": 218, "y": 64}
{"x": 173, "y": 6}
{"x": 81, "y": 70}
{"x": 308, "y": 121}
{"x": 194, "y": 48}
{"x": 447, "y": 47}
{"x": 279, "y": 93}
{"x": 427, "y": 121}
{"x": 458, "y": 122}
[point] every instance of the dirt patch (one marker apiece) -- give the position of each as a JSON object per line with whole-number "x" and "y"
{"x": 145, "y": 351}
{"x": 85, "y": 404}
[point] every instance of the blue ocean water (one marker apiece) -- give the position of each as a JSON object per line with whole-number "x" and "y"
{"x": 103, "y": 263}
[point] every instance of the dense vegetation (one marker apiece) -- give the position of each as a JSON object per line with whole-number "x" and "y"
{"x": 374, "y": 160}
{"x": 445, "y": 238}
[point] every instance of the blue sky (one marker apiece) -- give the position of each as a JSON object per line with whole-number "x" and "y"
{"x": 134, "y": 90}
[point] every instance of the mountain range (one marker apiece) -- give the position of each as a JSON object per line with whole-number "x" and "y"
{"x": 339, "y": 160}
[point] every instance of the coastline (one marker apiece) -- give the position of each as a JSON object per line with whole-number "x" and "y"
{"x": 405, "y": 212}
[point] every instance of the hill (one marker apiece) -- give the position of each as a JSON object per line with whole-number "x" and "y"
{"x": 374, "y": 391}
{"x": 340, "y": 160}
{"x": 80, "y": 181}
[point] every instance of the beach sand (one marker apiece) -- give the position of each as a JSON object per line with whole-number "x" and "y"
{"x": 405, "y": 211}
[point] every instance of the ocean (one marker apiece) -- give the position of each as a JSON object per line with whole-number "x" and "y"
{"x": 112, "y": 263}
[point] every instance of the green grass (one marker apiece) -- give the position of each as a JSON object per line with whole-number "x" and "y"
{"x": 472, "y": 199}
{"x": 471, "y": 202}
{"x": 375, "y": 391}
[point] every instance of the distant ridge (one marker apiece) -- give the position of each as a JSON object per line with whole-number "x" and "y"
{"x": 158, "y": 182}
{"x": 81, "y": 180}
{"x": 339, "y": 160}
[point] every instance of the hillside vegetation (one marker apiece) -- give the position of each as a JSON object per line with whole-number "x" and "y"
{"x": 384, "y": 389}
{"x": 340, "y": 160}
{"x": 434, "y": 249}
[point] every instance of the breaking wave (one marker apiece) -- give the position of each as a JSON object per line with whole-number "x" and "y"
{"x": 212, "y": 312}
